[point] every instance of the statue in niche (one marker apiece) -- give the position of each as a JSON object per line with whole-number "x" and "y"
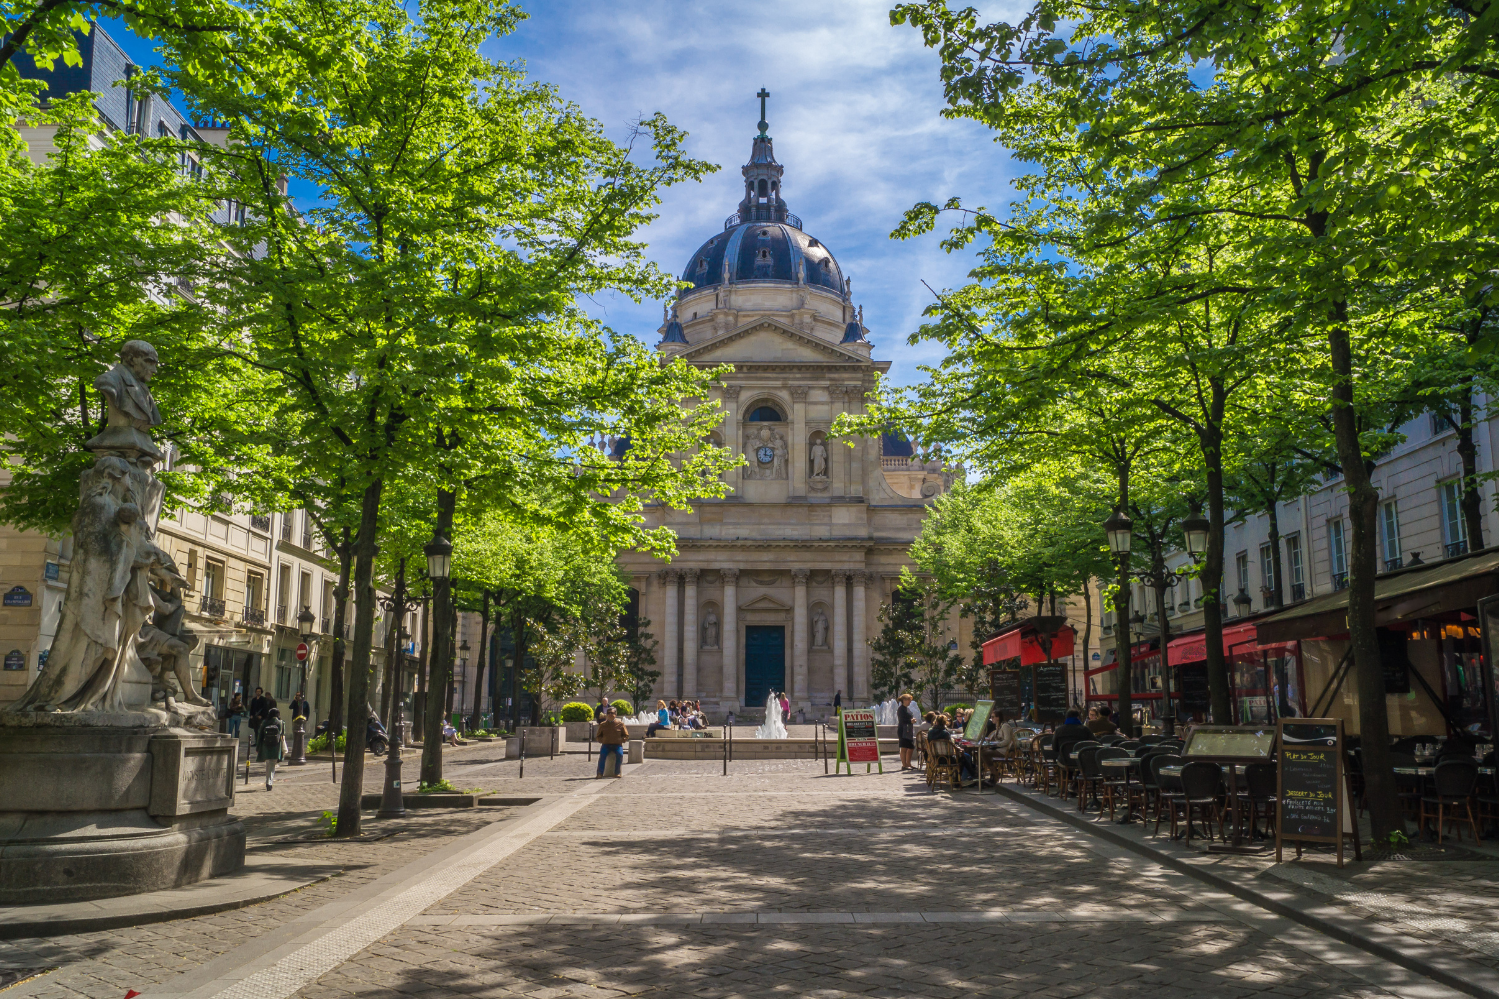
{"x": 819, "y": 630}
{"x": 710, "y": 630}
{"x": 766, "y": 451}
{"x": 781, "y": 452}
{"x": 819, "y": 460}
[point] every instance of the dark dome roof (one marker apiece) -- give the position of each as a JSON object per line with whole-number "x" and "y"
{"x": 763, "y": 251}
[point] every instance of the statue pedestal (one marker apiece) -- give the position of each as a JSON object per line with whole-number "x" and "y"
{"x": 96, "y": 811}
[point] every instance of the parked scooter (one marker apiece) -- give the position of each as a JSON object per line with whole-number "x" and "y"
{"x": 376, "y": 738}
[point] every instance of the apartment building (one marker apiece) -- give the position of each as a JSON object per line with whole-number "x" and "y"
{"x": 1277, "y": 669}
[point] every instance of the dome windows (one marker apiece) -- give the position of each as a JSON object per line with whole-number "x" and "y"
{"x": 765, "y": 414}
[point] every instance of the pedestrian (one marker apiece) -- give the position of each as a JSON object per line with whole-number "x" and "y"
{"x": 270, "y": 745}
{"x": 905, "y": 730}
{"x": 663, "y": 716}
{"x": 613, "y": 734}
{"x": 234, "y": 713}
{"x": 298, "y": 706}
{"x": 600, "y": 709}
{"x": 258, "y": 708}
{"x": 838, "y": 703}
{"x": 785, "y": 709}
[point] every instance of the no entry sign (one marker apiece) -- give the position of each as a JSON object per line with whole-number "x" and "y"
{"x": 301, "y": 652}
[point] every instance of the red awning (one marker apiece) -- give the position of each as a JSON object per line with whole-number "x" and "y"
{"x": 1021, "y": 641}
{"x": 1236, "y": 640}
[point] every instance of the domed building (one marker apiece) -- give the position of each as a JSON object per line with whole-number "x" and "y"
{"x": 778, "y": 585}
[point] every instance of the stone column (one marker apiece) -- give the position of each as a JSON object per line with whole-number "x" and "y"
{"x": 840, "y": 636}
{"x": 691, "y": 639}
{"x": 669, "y": 636}
{"x": 799, "y": 637}
{"x": 728, "y": 639}
{"x": 860, "y": 640}
{"x": 798, "y": 453}
{"x": 731, "y": 432}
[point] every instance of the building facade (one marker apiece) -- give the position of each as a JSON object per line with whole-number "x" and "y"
{"x": 778, "y": 585}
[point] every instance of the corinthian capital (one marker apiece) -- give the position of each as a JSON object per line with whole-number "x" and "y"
{"x": 731, "y": 393}
{"x": 689, "y": 576}
{"x": 799, "y": 393}
{"x": 730, "y": 576}
{"x": 799, "y": 576}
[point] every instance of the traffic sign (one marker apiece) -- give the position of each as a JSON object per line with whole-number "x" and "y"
{"x": 301, "y": 652}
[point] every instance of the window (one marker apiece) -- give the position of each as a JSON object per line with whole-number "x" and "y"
{"x": 1293, "y": 564}
{"x": 1454, "y": 531}
{"x": 283, "y": 592}
{"x": 213, "y": 579}
{"x": 766, "y": 414}
{"x": 254, "y": 598}
{"x": 285, "y": 664}
{"x": 1241, "y": 568}
{"x": 1267, "y": 571}
{"x": 1389, "y": 526}
{"x": 1439, "y": 424}
{"x": 1337, "y": 554}
{"x": 192, "y": 568}
{"x": 305, "y": 593}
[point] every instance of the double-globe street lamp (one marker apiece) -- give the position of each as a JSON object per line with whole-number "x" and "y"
{"x": 1119, "y": 530}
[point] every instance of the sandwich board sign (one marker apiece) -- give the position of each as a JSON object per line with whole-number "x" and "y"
{"x": 858, "y": 739}
{"x": 1313, "y": 802}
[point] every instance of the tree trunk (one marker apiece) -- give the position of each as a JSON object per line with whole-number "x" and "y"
{"x": 1211, "y": 439}
{"x": 1363, "y": 508}
{"x": 483, "y": 649}
{"x": 340, "y": 619}
{"x": 1087, "y": 638}
{"x": 453, "y": 669}
{"x": 440, "y": 669}
{"x": 1278, "y": 591}
{"x": 1472, "y": 499}
{"x": 352, "y": 788}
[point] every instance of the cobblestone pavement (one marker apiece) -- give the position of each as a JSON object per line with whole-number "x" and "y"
{"x": 773, "y": 881}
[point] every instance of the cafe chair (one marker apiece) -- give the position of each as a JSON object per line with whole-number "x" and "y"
{"x": 1409, "y": 788}
{"x": 1262, "y": 794}
{"x": 1146, "y": 790}
{"x": 1201, "y": 781}
{"x": 1069, "y": 769}
{"x": 1110, "y": 740}
{"x": 1151, "y": 740}
{"x": 1452, "y": 799}
{"x": 1089, "y": 778}
{"x": 1168, "y": 789}
{"x": 1114, "y": 788}
{"x": 1488, "y": 799}
{"x": 921, "y": 750}
{"x": 1130, "y": 744}
{"x": 942, "y": 765}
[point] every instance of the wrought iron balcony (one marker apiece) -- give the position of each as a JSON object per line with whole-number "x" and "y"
{"x": 1456, "y": 548}
{"x": 327, "y": 626}
{"x": 260, "y": 522}
{"x": 1340, "y": 581}
{"x": 307, "y": 537}
{"x": 211, "y": 607}
{"x": 763, "y": 213}
{"x": 1391, "y": 564}
{"x": 280, "y": 613}
{"x": 1298, "y": 592}
{"x": 255, "y": 616}
{"x": 285, "y": 527}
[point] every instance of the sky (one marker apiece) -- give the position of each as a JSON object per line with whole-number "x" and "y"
{"x": 855, "y": 111}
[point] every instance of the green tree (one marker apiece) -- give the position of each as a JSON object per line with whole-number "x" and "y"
{"x": 912, "y": 650}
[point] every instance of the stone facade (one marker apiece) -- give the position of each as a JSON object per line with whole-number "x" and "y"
{"x": 779, "y": 584}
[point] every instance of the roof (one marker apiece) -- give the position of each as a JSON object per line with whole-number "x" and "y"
{"x": 763, "y": 251}
{"x": 1422, "y": 591}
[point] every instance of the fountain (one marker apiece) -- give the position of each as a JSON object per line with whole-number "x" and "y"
{"x": 885, "y": 711}
{"x": 772, "y": 729}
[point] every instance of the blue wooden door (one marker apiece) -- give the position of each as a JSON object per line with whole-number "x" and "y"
{"x": 764, "y": 662}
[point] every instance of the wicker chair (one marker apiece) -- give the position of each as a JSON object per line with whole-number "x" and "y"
{"x": 942, "y": 765}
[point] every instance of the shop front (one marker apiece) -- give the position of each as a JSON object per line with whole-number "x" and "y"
{"x": 1265, "y": 679}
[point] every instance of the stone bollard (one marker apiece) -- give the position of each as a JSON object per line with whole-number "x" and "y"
{"x": 392, "y": 805}
{"x": 637, "y": 750}
{"x": 298, "y": 743}
{"x": 512, "y": 747}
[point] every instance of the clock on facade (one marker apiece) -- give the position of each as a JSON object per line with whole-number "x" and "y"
{"x": 766, "y": 454}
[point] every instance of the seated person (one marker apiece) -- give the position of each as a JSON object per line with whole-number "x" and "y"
{"x": 1099, "y": 724}
{"x": 940, "y": 732}
{"x": 449, "y": 733}
{"x": 1002, "y": 732}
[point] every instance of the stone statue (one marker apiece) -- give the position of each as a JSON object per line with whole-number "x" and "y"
{"x": 115, "y": 624}
{"x": 819, "y": 460}
{"x": 819, "y": 630}
{"x": 710, "y": 630}
{"x": 766, "y": 452}
{"x": 779, "y": 444}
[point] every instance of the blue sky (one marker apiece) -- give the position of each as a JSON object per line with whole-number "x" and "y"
{"x": 854, "y": 109}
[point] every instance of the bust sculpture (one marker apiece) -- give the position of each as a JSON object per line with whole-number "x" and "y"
{"x": 127, "y": 387}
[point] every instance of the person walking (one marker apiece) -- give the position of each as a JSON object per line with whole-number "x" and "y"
{"x": 270, "y": 745}
{"x": 785, "y": 709}
{"x": 613, "y": 734}
{"x": 234, "y": 713}
{"x": 258, "y": 707}
{"x": 298, "y": 706}
{"x": 905, "y": 730}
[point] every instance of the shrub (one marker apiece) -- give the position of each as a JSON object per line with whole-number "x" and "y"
{"x": 625, "y": 708}
{"x": 576, "y": 711}
{"x": 320, "y": 743}
{"x": 954, "y": 707}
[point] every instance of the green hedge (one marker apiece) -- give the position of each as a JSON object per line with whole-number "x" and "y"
{"x": 625, "y": 708}
{"x": 320, "y": 743}
{"x": 576, "y": 711}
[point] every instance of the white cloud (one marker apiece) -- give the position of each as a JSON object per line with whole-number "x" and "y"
{"x": 855, "y": 112}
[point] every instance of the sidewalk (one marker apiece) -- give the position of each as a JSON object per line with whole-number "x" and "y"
{"x": 1438, "y": 917}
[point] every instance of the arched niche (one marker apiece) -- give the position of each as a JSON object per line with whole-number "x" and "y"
{"x": 765, "y": 442}
{"x": 710, "y": 626}
{"x": 819, "y": 626}
{"x": 819, "y": 457}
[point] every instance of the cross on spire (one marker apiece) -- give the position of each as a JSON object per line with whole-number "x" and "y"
{"x": 763, "y": 123}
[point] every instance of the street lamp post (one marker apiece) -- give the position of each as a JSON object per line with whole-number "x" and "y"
{"x": 1119, "y": 530}
{"x": 299, "y": 724}
{"x": 439, "y": 552}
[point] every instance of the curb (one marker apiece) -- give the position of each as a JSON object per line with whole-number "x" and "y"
{"x": 1454, "y": 972}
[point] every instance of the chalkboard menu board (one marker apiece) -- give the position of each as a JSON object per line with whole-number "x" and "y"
{"x": 1192, "y": 684}
{"x": 1004, "y": 688}
{"x": 1313, "y": 797}
{"x": 1051, "y": 692}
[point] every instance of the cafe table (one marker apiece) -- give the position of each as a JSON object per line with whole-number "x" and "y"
{"x": 1128, "y": 765}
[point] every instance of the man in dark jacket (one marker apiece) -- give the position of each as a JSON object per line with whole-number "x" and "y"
{"x": 613, "y": 734}
{"x": 257, "y": 708}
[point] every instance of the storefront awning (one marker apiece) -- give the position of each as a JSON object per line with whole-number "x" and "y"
{"x": 1237, "y": 639}
{"x": 1024, "y": 641}
{"x": 1399, "y": 597}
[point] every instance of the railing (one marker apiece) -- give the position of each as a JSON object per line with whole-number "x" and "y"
{"x": 895, "y": 461}
{"x": 1184, "y": 606}
{"x": 763, "y": 213}
{"x": 255, "y": 616}
{"x": 1298, "y": 592}
{"x": 280, "y": 613}
{"x": 1269, "y": 597}
{"x": 1108, "y": 629}
{"x": 211, "y": 607}
{"x": 286, "y": 527}
{"x": 1340, "y": 581}
{"x": 307, "y": 536}
{"x": 327, "y": 626}
{"x": 1391, "y": 564}
{"x": 1456, "y": 548}
{"x": 260, "y": 522}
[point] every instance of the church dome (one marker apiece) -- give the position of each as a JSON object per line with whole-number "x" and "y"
{"x": 763, "y": 241}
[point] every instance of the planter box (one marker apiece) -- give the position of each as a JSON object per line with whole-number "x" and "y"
{"x": 576, "y": 732}
{"x": 542, "y": 740}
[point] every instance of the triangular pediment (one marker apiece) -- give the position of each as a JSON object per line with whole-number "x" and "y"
{"x": 765, "y": 602}
{"x": 768, "y": 341}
